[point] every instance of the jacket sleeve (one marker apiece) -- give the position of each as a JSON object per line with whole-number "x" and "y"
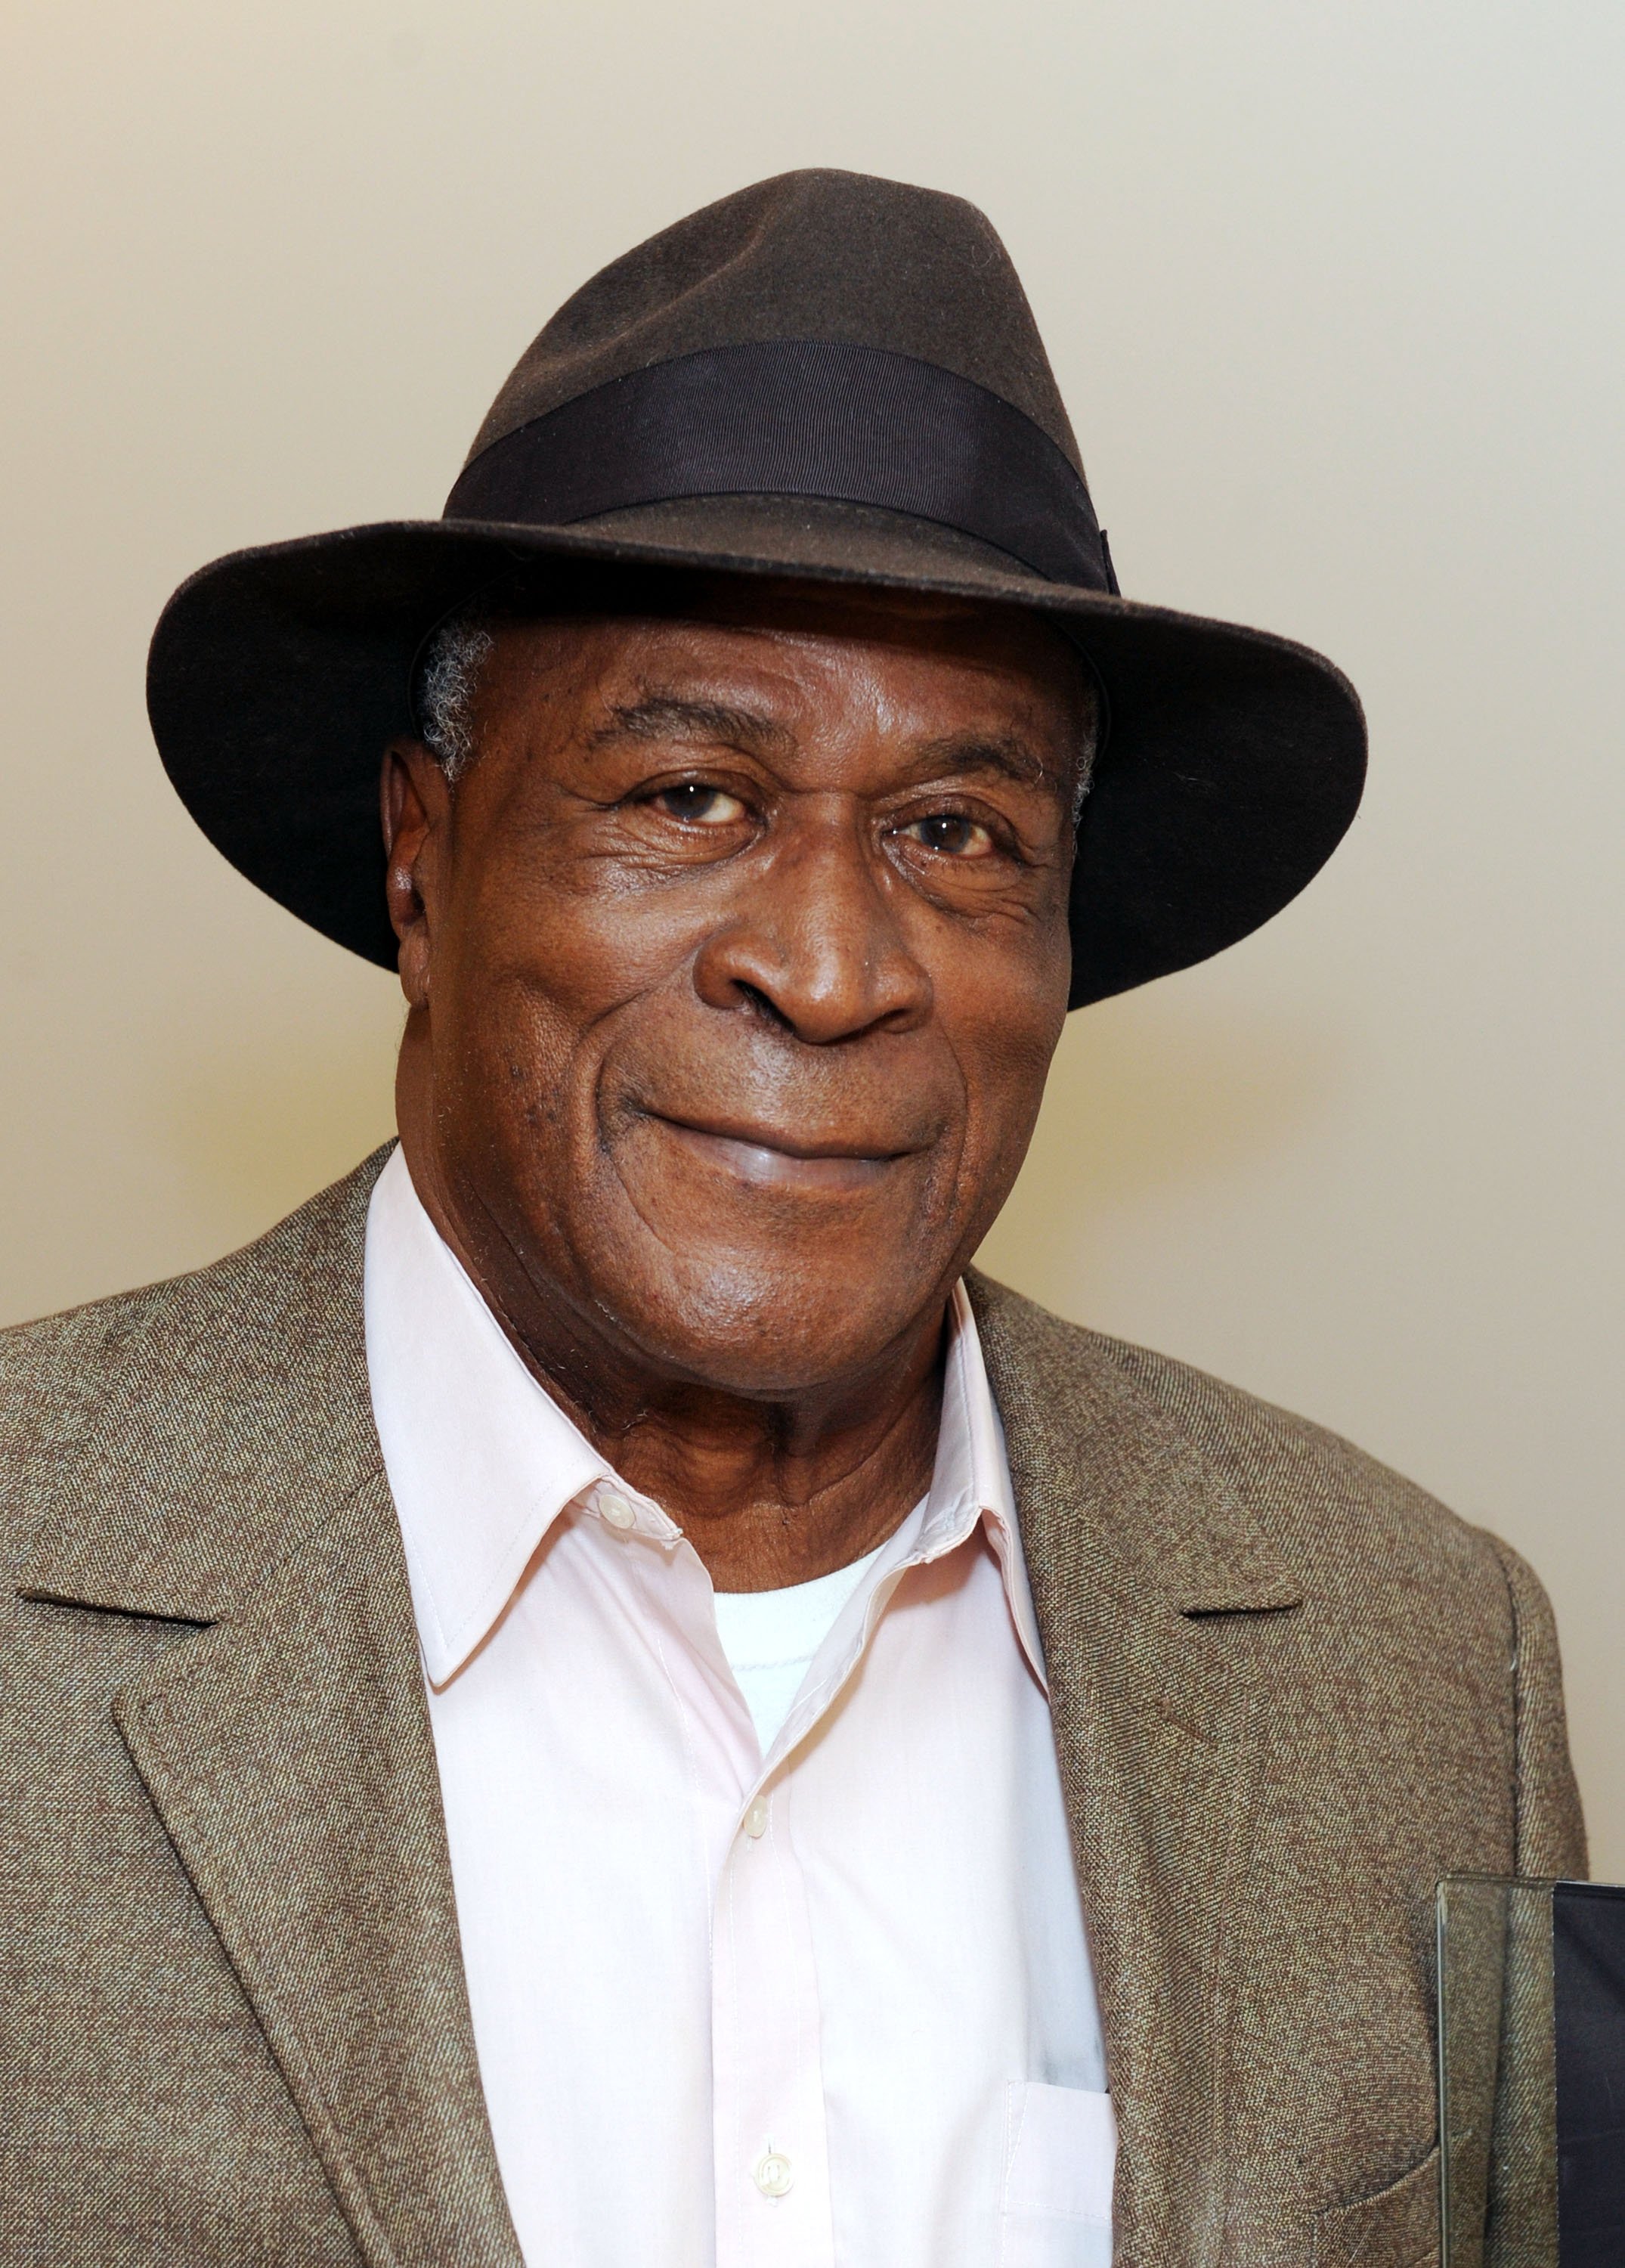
{"x": 1551, "y": 1831}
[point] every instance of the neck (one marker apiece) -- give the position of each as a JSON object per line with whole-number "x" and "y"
{"x": 769, "y": 1491}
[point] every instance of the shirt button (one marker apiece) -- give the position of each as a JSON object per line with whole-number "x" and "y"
{"x": 616, "y": 1510}
{"x": 756, "y": 1820}
{"x": 773, "y": 2174}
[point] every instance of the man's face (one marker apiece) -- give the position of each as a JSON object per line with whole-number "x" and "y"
{"x": 736, "y": 958}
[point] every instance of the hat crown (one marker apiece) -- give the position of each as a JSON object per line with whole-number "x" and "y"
{"x": 817, "y": 255}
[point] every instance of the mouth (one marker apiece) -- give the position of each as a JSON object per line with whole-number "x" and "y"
{"x": 771, "y": 1159}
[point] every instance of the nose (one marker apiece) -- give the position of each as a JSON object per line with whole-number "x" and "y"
{"x": 814, "y": 937}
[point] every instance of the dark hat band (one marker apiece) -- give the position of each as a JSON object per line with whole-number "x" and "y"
{"x": 802, "y": 418}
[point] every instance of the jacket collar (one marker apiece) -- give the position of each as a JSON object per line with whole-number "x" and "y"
{"x": 247, "y": 1392}
{"x": 233, "y": 1419}
{"x": 1157, "y": 1519}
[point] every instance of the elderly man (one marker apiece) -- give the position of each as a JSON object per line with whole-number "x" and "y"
{"x": 599, "y": 1696}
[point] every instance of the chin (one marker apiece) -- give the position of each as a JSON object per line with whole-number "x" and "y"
{"x": 762, "y": 1327}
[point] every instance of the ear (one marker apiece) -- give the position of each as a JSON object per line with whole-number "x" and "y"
{"x": 414, "y": 799}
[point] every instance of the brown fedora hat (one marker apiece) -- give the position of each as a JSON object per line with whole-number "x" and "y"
{"x": 825, "y": 376}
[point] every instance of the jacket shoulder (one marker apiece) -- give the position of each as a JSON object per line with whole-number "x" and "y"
{"x": 1329, "y": 1509}
{"x": 60, "y": 1374}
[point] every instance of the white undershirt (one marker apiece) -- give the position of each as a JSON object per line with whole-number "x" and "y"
{"x": 770, "y": 1637}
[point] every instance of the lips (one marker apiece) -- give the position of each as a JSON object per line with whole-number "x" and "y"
{"x": 773, "y": 1159}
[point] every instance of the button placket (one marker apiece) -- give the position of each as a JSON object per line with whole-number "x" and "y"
{"x": 771, "y": 2146}
{"x": 773, "y": 2207}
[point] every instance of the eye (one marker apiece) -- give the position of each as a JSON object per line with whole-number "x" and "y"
{"x": 951, "y": 834}
{"x": 699, "y": 805}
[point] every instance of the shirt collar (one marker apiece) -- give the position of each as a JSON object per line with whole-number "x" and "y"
{"x": 482, "y": 1461}
{"x": 971, "y": 1478}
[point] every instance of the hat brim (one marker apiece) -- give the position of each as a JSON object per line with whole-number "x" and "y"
{"x": 278, "y": 675}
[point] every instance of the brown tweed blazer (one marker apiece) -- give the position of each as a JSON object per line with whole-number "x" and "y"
{"x": 1290, "y": 1692}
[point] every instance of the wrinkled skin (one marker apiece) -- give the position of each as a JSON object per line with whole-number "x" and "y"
{"x": 735, "y": 961}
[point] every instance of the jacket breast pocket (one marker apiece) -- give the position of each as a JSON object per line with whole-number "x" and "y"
{"x": 1060, "y": 2160}
{"x": 1398, "y": 2228}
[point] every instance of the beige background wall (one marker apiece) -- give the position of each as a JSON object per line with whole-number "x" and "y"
{"x": 1333, "y": 291}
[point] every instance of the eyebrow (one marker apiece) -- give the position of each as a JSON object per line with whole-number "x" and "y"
{"x": 1003, "y": 754}
{"x": 672, "y": 716}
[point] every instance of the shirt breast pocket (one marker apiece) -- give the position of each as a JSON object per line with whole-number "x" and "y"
{"x": 1059, "y": 2159}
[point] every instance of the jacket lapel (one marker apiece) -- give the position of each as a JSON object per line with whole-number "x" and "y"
{"x": 287, "y": 1747}
{"x": 290, "y": 1756}
{"x": 1158, "y": 1603}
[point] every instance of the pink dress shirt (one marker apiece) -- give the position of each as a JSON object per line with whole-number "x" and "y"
{"x": 827, "y": 2008}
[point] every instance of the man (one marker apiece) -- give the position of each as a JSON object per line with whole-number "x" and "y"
{"x": 599, "y": 1696}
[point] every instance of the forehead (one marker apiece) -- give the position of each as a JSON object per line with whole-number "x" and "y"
{"x": 928, "y": 662}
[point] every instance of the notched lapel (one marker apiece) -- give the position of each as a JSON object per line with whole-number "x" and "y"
{"x": 1160, "y": 1604}
{"x": 289, "y": 1755}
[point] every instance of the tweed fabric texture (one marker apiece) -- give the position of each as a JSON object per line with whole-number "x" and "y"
{"x": 1289, "y": 1690}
